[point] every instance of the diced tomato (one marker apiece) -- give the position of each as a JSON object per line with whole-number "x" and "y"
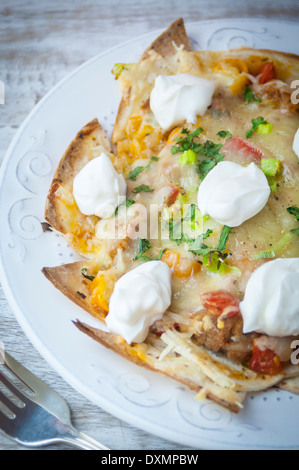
{"x": 265, "y": 361}
{"x": 172, "y": 195}
{"x": 219, "y": 300}
{"x": 267, "y": 73}
{"x": 248, "y": 151}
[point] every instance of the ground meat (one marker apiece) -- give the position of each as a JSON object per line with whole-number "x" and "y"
{"x": 229, "y": 339}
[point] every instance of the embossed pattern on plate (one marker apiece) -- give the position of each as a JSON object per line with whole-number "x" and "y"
{"x": 146, "y": 400}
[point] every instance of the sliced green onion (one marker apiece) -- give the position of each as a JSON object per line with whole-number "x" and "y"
{"x": 264, "y": 128}
{"x": 271, "y": 166}
{"x": 215, "y": 262}
{"x": 276, "y": 249}
{"x": 119, "y": 68}
{"x": 282, "y": 243}
{"x": 189, "y": 156}
{"x": 273, "y": 184}
{"x": 264, "y": 255}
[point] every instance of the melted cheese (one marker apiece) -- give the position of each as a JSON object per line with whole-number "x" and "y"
{"x": 139, "y": 138}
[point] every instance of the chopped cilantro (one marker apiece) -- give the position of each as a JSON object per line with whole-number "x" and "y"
{"x": 175, "y": 226}
{"x": 126, "y": 203}
{"x": 294, "y": 211}
{"x": 138, "y": 169}
{"x": 249, "y": 95}
{"x": 142, "y": 187}
{"x": 213, "y": 259}
{"x": 224, "y": 134}
{"x": 175, "y": 231}
{"x": 204, "y": 167}
{"x": 211, "y": 150}
{"x": 144, "y": 245}
{"x": 187, "y": 143}
{"x": 199, "y": 248}
{"x": 223, "y": 237}
{"x": 135, "y": 172}
{"x": 255, "y": 123}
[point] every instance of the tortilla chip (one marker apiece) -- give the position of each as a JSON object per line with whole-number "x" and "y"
{"x": 69, "y": 279}
{"x": 89, "y": 142}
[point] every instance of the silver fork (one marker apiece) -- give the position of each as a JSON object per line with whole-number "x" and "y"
{"x": 32, "y": 413}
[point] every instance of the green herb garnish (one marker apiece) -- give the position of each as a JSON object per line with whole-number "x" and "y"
{"x": 255, "y": 123}
{"x": 224, "y": 134}
{"x": 210, "y": 150}
{"x": 214, "y": 259}
{"x": 223, "y": 237}
{"x": 249, "y": 95}
{"x": 138, "y": 169}
{"x": 127, "y": 203}
{"x": 199, "y": 248}
{"x": 187, "y": 143}
{"x": 135, "y": 172}
{"x": 144, "y": 245}
{"x": 294, "y": 211}
{"x": 142, "y": 187}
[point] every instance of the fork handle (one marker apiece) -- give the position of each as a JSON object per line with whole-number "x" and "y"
{"x": 81, "y": 440}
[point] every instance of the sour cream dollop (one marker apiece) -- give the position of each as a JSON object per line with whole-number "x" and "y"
{"x": 271, "y": 301}
{"x": 231, "y": 193}
{"x": 140, "y": 297}
{"x": 296, "y": 143}
{"x": 176, "y": 98}
{"x": 98, "y": 189}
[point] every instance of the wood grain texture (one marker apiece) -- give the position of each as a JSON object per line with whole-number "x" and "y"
{"x": 40, "y": 43}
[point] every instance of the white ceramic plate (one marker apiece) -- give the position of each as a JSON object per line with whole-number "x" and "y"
{"x": 144, "y": 399}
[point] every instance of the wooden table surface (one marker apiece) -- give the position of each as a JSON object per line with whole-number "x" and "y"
{"x": 40, "y": 43}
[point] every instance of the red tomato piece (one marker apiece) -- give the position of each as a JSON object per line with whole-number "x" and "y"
{"x": 265, "y": 361}
{"x": 219, "y": 300}
{"x": 248, "y": 150}
{"x": 267, "y": 73}
{"x": 172, "y": 195}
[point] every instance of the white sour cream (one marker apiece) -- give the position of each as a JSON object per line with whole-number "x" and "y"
{"x": 271, "y": 301}
{"x": 176, "y": 98}
{"x": 296, "y": 143}
{"x": 231, "y": 193}
{"x": 140, "y": 297}
{"x": 98, "y": 189}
